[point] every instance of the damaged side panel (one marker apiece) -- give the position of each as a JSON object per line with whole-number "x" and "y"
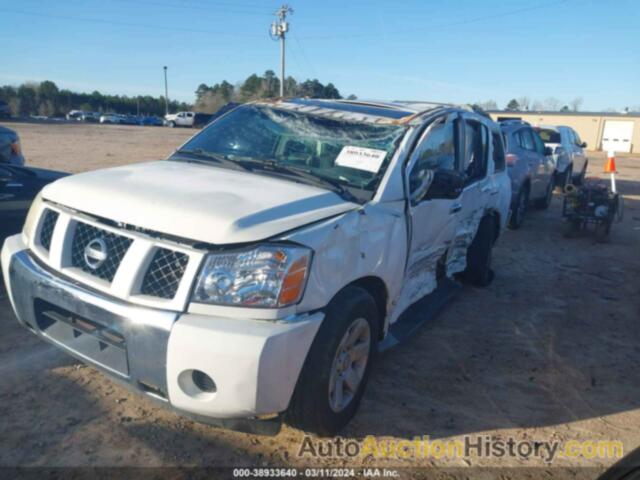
{"x": 368, "y": 242}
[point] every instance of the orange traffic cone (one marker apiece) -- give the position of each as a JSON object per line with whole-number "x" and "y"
{"x": 610, "y": 166}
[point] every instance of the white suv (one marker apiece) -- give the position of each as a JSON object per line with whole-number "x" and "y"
{"x": 256, "y": 272}
{"x": 568, "y": 151}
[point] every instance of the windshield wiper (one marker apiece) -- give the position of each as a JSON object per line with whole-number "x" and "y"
{"x": 302, "y": 173}
{"x": 207, "y": 157}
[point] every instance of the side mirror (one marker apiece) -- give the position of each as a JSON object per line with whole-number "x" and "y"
{"x": 548, "y": 151}
{"x": 583, "y": 145}
{"x": 445, "y": 184}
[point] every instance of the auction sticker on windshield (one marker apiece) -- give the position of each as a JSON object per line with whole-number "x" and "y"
{"x": 361, "y": 158}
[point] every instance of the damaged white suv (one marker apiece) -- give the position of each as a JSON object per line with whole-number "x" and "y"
{"x": 252, "y": 276}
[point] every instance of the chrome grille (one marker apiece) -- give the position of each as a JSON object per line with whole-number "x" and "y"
{"x": 116, "y": 248}
{"x": 46, "y": 231}
{"x": 164, "y": 273}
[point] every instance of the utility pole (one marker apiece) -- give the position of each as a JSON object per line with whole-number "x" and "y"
{"x": 166, "y": 93}
{"x": 279, "y": 30}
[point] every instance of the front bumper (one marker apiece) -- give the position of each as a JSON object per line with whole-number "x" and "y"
{"x": 255, "y": 364}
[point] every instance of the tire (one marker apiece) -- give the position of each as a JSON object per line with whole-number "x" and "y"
{"x": 313, "y": 408}
{"x": 479, "y": 254}
{"x": 171, "y": 124}
{"x": 564, "y": 179}
{"x": 543, "y": 203}
{"x": 579, "y": 180}
{"x": 519, "y": 208}
{"x": 602, "y": 232}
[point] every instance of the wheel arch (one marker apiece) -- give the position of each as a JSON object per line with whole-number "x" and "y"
{"x": 377, "y": 288}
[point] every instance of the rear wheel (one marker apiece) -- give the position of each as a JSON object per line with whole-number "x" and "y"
{"x": 479, "y": 254}
{"x": 519, "y": 208}
{"x": 564, "y": 179}
{"x": 579, "y": 180}
{"x": 337, "y": 367}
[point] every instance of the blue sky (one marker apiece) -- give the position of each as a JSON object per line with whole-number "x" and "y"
{"x": 459, "y": 51}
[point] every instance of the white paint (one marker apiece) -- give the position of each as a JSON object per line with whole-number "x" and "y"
{"x": 254, "y": 364}
{"x": 361, "y": 158}
{"x": 617, "y": 135}
{"x": 197, "y": 202}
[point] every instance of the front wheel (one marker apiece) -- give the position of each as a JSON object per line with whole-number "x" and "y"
{"x": 337, "y": 367}
{"x": 171, "y": 124}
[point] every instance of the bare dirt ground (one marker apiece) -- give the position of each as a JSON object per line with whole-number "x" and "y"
{"x": 550, "y": 351}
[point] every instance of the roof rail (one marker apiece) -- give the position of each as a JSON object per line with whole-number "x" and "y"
{"x": 512, "y": 121}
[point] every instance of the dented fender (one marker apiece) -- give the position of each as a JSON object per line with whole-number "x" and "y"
{"x": 367, "y": 242}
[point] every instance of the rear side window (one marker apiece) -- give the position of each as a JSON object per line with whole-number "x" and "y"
{"x": 476, "y": 142}
{"x": 525, "y": 140}
{"x": 498, "y": 153}
{"x": 549, "y": 136}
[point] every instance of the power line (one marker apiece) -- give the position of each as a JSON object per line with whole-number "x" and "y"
{"x": 304, "y": 55}
{"x": 437, "y": 26}
{"x": 128, "y": 24}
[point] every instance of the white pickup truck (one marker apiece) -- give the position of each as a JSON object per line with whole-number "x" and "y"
{"x": 180, "y": 119}
{"x": 252, "y": 276}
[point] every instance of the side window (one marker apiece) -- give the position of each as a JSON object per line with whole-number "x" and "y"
{"x": 526, "y": 140}
{"x": 436, "y": 151}
{"x": 571, "y": 138}
{"x": 538, "y": 142}
{"x": 476, "y": 141}
{"x": 498, "y": 153}
{"x": 576, "y": 137}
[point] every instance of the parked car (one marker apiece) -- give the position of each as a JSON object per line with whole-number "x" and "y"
{"x": 531, "y": 168}
{"x": 5, "y": 109}
{"x": 111, "y": 118}
{"x": 75, "y": 115}
{"x": 256, "y": 272}
{"x": 568, "y": 148}
{"x": 10, "y": 149}
{"x": 151, "y": 121}
{"x": 18, "y": 187}
{"x": 180, "y": 119}
{"x": 91, "y": 117}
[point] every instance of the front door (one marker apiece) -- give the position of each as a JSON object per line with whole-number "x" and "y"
{"x": 433, "y": 217}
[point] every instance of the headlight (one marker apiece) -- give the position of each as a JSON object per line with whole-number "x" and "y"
{"x": 265, "y": 276}
{"x": 32, "y": 217}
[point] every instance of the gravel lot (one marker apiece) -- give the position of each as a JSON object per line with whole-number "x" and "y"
{"x": 549, "y": 351}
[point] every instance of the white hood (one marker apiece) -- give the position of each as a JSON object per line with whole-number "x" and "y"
{"x": 197, "y": 202}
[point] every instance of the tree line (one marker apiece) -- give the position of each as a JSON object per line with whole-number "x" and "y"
{"x": 210, "y": 98}
{"x": 45, "y": 98}
{"x": 521, "y": 104}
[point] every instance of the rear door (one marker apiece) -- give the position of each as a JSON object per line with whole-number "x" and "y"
{"x": 478, "y": 190}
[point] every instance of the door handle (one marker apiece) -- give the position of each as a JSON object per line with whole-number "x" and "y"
{"x": 489, "y": 190}
{"x": 455, "y": 208}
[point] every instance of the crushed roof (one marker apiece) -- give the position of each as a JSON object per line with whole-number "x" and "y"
{"x": 389, "y": 113}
